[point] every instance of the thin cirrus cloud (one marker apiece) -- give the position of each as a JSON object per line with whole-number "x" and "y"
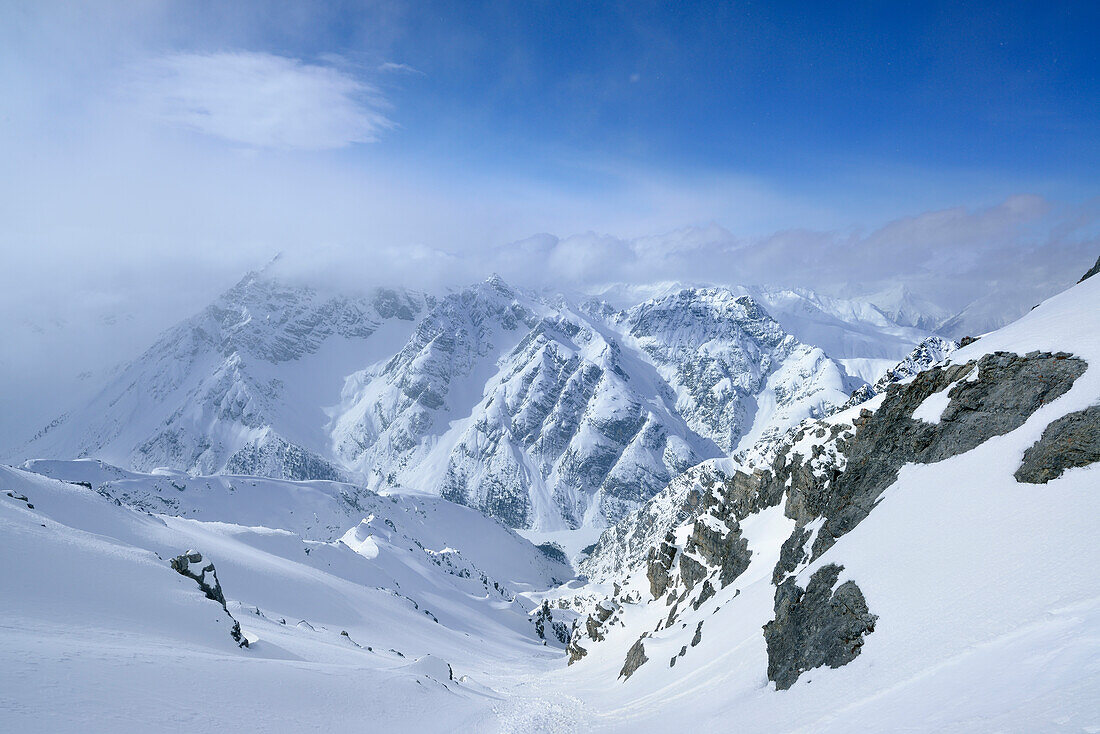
{"x": 393, "y": 66}
{"x": 261, "y": 100}
{"x": 950, "y": 256}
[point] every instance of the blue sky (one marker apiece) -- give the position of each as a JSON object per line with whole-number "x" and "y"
{"x": 790, "y": 94}
{"x": 201, "y": 137}
{"x": 803, "y": 96}
{"x": 152, "y": 152}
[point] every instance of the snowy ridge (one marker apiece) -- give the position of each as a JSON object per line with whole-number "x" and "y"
{"x": 921, "y": 564}
{"x": 551, "y": 417}
{"x": 539, "y": 413}
{"x": 235, "y": 387}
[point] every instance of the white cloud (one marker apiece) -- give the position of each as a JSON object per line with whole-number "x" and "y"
{"x": 950, "y": 256}
{"x": 261, "y": 100}
{"x": 393, "y": 66}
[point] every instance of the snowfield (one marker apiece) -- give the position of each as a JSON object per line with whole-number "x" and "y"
{"x": 408, "y": 612}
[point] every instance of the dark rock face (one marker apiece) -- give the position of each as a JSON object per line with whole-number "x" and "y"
{"x": 554, "y": 552}
{"x": 207, "y": 579}
{"x": 698, "y": 636}
{"x": 1072, "y": 440}
{"x": 603, "y": 613}
{"x": 592, "y": 628}
{"x": 791, "y": 554}
{"x": 635, "y": 658}
{"x": 19, "y": 497}
{"x": 575, "y": 651}
{"x": 1091, "y": 272}
{"x": 743, "y": 494}
{"x": 546, "y": 627}
{"x": 720, "y": 544}
{"x": 816, "y": 626}
{"x": 1009, "y": 388}
{"x": 691, "y": 571}
{"x": 705, "y": 592}
{"x": 659, "y": 564}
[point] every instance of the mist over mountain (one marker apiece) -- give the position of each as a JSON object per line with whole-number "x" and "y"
{"x": 544, "y": 413}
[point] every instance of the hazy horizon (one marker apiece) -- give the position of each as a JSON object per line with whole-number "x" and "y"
{"x": 151, "y": 155}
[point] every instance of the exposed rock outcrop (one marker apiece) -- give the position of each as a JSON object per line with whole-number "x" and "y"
{"x": 1091, "y": 271}
{"x": 547, "y": 628}
{"x": 720, "y": 543}
{"x": 658, "y": 565}
{"x": 19, "y": 497}
{"x": 635, "y": 658}
{"x": 1005, "y": 391}
{"x": 927, "y": 354}
{"x": 1072, "y": 440}
{"x": 207, "y": 579}
{"x": 815, "y": 626}
{"x": 718, "y": 504}
{"x": 574, "y": 649}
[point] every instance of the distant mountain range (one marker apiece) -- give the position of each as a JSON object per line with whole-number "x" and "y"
{"x": 543, "y": 410}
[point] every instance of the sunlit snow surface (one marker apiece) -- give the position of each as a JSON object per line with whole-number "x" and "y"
{"x": 985, "y": 589}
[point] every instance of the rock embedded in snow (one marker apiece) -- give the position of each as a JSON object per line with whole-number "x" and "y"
{"x": 1091, "y": 271}
{"x": 206, "y": 577}
{"x": 658, "y": 565}
{"x": 549, "y": 627}
{"x": 1007, "y": 390}
{"x": 815, "y": 626}
{"x": 1071, "y": 441}
{"x": 635, "y": 658}
{"x": 734, "y": 491}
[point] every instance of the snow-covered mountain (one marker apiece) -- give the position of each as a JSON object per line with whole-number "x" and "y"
{"x": 903, "y": 307}
{"x": 899, "y": 555}
{"x": 845, "y": 328}
{"x": 539, "y": 411}
{"x": 550, "y": 416}
{"x": 918, "y": 560}
{"x": 241, "y": 387}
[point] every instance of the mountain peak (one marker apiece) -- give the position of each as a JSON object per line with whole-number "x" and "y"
{"x": 498, "y": 282}
{"x": 1091, "y": 272}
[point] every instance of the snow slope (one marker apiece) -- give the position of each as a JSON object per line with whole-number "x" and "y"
{"x": 118, "y": 638}
{"x": 986, "y": 612}
{"x": 986, "y": 609}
